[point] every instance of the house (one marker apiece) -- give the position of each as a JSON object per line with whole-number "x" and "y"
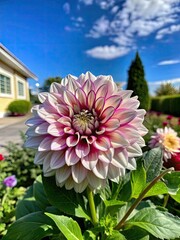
{"x": 13, "y": 79}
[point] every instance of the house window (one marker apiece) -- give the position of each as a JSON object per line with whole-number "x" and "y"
{"x": 21, "y": 89}
{"x": 5, "y": 85}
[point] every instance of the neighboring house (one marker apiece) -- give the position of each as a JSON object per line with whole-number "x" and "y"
{"x": 13, "y": 79}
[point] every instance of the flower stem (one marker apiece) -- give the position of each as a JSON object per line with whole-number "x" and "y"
{"x": 92, "y": 206}
{"x": 141, "y": 196}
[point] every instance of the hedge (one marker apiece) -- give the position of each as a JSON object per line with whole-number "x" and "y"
{"x": 19, "y": 107}
{"x": 167, "y": 104}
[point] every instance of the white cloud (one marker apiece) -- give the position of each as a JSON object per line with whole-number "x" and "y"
{"x": 87, "y": 2}
{"x": 169, "y": 30}
{"x": 172, "y": 81}
{"x": 135, "y": 18}
{"x": 66, "y": 8}
{"x": 169, "y": 62}
{"x": 107, "y": 52}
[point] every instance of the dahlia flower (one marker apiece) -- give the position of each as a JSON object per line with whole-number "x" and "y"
{"x": 167, "y": 140}
{"x": 1, "y": 157}
{"x": 174, "y": 162}
{"x": 86, "y": 131}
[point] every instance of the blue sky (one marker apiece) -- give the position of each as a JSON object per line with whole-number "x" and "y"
{"x": 57, "y": 37}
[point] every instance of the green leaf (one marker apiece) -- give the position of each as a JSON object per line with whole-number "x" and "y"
{"x": 116, "y": 236}
{"x": 172, "y": 181}
{"x": 177, "y": 196}
{"x": 66, "y": 201}
{"x": 158, "y": 189}
{"x": 138, "y": 179}
{"x": 89, "y": 235}
{"x": 152, "y": 163}
{"x": 140, "y": 234}
{"x": 27, "y": 204}
{"x": 39, "y": 193}
{"x": 160, "y": 224}
{"x": 32, "y": 226}
{"x": 113, "y": 206}
{"x": 67, "y": 226}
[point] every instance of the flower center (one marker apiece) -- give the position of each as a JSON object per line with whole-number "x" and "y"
{"x": 85, "y": 122}
{"x": 171, "y": 142}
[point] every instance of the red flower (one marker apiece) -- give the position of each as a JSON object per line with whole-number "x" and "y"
{"x": 165, "y": 124}
{"x": 169, "y": 117}
{"x": 174, "y": 161}
{"x": 1, "y": 157}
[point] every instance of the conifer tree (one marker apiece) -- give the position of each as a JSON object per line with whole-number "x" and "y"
{"x": 137, "y": 82}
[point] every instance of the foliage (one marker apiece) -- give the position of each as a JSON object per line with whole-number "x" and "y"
{"x": 166, "y": 89}
{"x": 48, "y": 82}
{"x": 56, "y": 213}
{"x": 19, "y": 107}
{"x": 166, "y": 104}
{"x": 137, "y": 82}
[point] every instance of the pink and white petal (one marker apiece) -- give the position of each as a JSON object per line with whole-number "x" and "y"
{"x": 57, "y": 88}
{"x": 100, "y": 130}
{"x": 134, "y": 150}
{"x": 56, "y": 129}
{"x": 70, "y": 157}
{"x": 101, "y": 170}
{"x": 118, "y": 140}
{"x": 57, "y": 159}
{"x": 39, "y": 157}
{"x": 102, "y": 91}
{"x": 82, "y": 149}
{"x": 107, "y": 114}
{"x": 34, "y": 121}
{"x": 73, "y": 140}
{"x": 52, "y": 118}
{"x": 81, "y": 96}
{"x": 58, "y": 143}
{"x": 42, "y": 128}
{"x": 125, "y": 116}
{"x": 31, "y": 132}
{"x": 106, "y": 156}
{"x": 71, "y": 100}
{"x": 45, "y": 144}
{"x": 113, "y": 101}
{"x": 46, "y": 163}
{"x": 90, "y": 161}
{"x": 42, "y": 96}
{"x": 141, "y": 142}
{"x": 66, "y": 121}
{"x": 79, "y": 173}
{"x": 80, "y": 187}
{"x": 130, "y": 132}
{"x": 52, "y": 100}
{"x": 99, "y": 104}
{"x": 120, "y": 158}
{"x": 131, "y": 164}
{"x": 69, "y": 183}
{"x": 62, "y": 109}
{"x": 131, "y": 103}
{"x": 63, "y": 173}
{"x": 95, "y": 182}
{"x": 72, "y": 84}
{"x": 69, "y": 130}
{"x": 125, "y": 93}
{"x": 33, "y": 142}
{"x": 114, "y": 173}
{"x": 102, "y": 143}
{"x": 112, "y": 124}
{"x": 90, "y": 99}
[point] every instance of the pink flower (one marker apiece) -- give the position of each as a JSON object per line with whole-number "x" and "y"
{"x": 174, "y": 161}
{"x": 1, "y": 157}
{"x": 165, "y": 124}
{"x": 10, "y": 181}
{"x": 167, "y": 139}
{"x": 169, "y": 117}
{"x": 86, "y": 131}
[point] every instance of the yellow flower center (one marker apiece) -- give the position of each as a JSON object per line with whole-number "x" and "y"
{"x": 171, "y": 142}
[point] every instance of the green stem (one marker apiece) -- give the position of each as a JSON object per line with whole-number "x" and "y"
{"x": 141, "y": 196}
{"x": 92, "y": 206}
{"x": 166, "y": 198}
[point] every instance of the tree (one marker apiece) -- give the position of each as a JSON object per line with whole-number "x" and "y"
{"x": 48, "y": 82}
{"x": 137, "y": 82}
{"x": 166, "y": 89}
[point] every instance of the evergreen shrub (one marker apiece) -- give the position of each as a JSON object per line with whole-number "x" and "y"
{"x": 19, "y": 107}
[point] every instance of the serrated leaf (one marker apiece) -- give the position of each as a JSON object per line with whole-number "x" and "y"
{"x": 136, "y": 233}
{"x": 138, "y": 179}
{"x": 172, "y": 181}
{"x": 152, "y": 163}
{"x": 160, "y": 224}
{"x": 66, "y": 201}
{"x": 32, "y": 226}
{"x": 158, "y": 189}
{"x": 67, "y": 226}
{"x": 39, "y": 193}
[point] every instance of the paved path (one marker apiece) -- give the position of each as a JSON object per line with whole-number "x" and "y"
{"x": 10, "y": 128}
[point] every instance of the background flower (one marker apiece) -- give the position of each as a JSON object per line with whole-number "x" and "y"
{"x": 174, "y": 161}
{"x": 86, "y": 131}
{"x": 1, "y": 157}
{"x": 10, "y": 181}
{"x": 167, "y": 139}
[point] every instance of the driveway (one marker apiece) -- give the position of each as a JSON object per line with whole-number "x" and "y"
{"x": 10, "y": 128}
